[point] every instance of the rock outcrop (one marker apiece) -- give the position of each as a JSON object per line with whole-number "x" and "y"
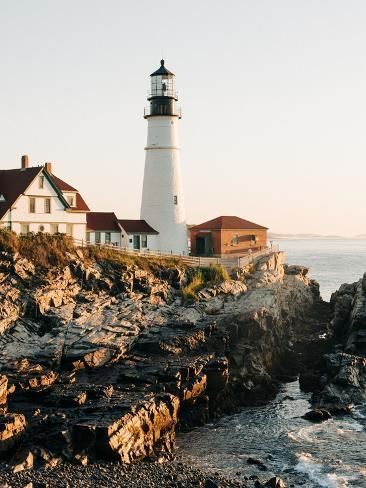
{"x": 339, "y": 376}
{"x": 105, "y": 360}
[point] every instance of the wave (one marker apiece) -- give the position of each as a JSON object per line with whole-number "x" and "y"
{"x": 315, "y": 471}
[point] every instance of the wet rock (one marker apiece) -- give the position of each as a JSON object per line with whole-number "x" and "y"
{"x": 317, "y": 415}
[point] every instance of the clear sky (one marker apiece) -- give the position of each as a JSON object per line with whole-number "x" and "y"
{"x": 272, "y": 93}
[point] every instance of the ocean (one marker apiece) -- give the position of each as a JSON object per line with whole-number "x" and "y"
{"x": 331, "y": 454}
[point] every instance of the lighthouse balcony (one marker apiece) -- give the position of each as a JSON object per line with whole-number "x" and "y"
{"x": 157, "y": 110}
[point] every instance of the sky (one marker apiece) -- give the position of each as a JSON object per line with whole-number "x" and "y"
{"x": 272, "y": 94}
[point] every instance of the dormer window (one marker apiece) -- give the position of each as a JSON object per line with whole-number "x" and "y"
{"x": 41, "y": 182}
{"x": 2, "y": 198}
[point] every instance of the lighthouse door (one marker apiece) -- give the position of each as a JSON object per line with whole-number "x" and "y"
{"x": 136, "y": 242}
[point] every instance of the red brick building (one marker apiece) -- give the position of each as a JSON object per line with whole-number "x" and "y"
{"x": 227, "y": 235}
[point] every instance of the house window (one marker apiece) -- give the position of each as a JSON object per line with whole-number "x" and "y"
{"x": 235, "y": 240}
{"x": 107, "y": 239}
{"x": 88, "y": 237}
{"x": 130, "y": 241}
{"x": 41, "y": 182}
{"x": 32, "y": 205}
{"x": 47, "y": 205}
{"x": 24, "y": 228}
{"x": 144, "y": 241}
{"x": 175, "y": 199}
{"x": 70, "y": 201}
{"x": 97, "y": 238}
{"x": 54, "y": 228}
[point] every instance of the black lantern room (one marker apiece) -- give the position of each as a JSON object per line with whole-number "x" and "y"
{"x": 163, "y": 95}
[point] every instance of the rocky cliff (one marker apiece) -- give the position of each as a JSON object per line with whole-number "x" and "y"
{"x": 101, "y": 359}
{"x": 339, "y": 378}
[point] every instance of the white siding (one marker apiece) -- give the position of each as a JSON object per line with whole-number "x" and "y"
{"x": 162, "y": 196}
{"x": 20, "y": 213}
{"x": 115, "y": 238}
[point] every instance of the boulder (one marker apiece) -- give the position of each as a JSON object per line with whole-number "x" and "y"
{"x": 318, "y": 415}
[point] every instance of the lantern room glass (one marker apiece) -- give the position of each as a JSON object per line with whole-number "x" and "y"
{"x": 163, "y": 86}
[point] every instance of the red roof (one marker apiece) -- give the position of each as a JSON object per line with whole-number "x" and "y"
{"x": 62, "y": 185}
{"x": 14, "y": 182}
{"x": 81, "y": 205}
{"x": 100, "y": 221}
{"x": 227, "y": 222}
{"x": 137, "y": 227}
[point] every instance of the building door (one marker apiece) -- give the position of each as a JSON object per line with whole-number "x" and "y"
{"x": 200, "y": 246}
{"x": 136, "y": 242}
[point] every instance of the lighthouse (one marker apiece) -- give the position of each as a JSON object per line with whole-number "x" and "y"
{"x": 162, "y": 195}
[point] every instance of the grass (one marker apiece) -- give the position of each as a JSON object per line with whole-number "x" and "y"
{"x": 48, "y": 250}
{"x": 116, "y": 258}
{"x": 202, "y": 277}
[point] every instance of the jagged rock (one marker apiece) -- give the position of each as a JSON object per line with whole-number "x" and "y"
{"x": 104, "y": 355}
{"x": 23, "y": 459}
{"x": 3, "y": 389}
{"x": 275, "y": 483}
{"x": 12, "y": 426}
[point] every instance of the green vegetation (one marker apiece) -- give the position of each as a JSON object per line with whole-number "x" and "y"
{"x": 44, "y": 250}
{"x": 202, "y": 277}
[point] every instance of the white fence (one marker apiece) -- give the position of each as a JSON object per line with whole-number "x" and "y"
{"x": 228, "y": 262}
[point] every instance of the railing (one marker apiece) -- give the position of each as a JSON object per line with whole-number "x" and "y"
{"x": 228, "y": 262}
{"x": 159, "y": 92}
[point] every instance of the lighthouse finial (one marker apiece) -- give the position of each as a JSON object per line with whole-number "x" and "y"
{"x": 162, "y": 62}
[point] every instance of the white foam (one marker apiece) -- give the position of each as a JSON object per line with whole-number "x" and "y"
{"x": 315, "y": 472}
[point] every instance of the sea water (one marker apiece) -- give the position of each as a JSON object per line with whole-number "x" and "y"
{"x": 329, "y": 454}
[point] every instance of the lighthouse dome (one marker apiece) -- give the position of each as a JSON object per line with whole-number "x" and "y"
{"x": 162, "y": 70}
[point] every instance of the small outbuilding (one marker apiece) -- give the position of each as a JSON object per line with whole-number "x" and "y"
{"x": 138, "y": 235}
{"x": 227, "y": 235}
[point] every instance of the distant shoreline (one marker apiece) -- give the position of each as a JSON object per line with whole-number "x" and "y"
{"x": 313, "y": 236}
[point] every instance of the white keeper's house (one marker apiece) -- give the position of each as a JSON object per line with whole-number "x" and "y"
{"x": 33, "y": 199}
{"x": 105, "y": 228}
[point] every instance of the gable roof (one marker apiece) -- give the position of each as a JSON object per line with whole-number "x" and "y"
{"x": 136, "y": 227}
{"x": 227, "y": 222}
{"x": 99, "y": 221}
{"x": 80, "y": 204}
{"x": 14, "y": 182}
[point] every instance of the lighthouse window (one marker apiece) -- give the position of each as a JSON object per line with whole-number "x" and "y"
{"x": 175, "y": 200}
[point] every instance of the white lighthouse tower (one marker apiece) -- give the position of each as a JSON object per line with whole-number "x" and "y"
{"x": 162, "y": 196}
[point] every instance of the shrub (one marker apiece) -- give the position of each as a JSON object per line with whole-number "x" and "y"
{"x": 8, "y": 241}
{"x": 203, "y": 276}
{"x": 46, "y": 250}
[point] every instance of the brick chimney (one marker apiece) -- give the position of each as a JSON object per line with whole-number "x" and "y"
{"x": 48, "y": 167}
{"x": 25, "y": 161}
